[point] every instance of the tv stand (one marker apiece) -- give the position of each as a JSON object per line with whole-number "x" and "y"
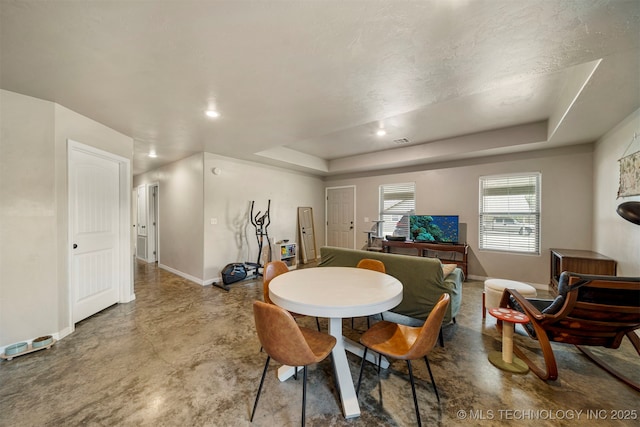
{"x": 449, "y": 253}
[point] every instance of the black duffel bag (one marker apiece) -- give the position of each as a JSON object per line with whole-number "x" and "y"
{"x": 232, "y": 273}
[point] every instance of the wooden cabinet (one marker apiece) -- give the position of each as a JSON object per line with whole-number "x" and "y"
{"x": 579, "y": 261}
{"x": 446, "y": 253}
{"x": 287, "y": 254}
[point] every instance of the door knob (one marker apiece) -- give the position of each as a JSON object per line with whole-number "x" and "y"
{"x": 75, "y": 246}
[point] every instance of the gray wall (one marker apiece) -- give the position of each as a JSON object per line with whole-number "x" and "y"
{"x": 228, "y": 196}
{"x": 452, "y": 189}
{"x": 34, "y": 286}
{"x": 614, "y": 236}
{"x": 567, "y": 220}
{"x": 191, "y": 196}
{"x": 180, "y": 214}
{"x": 29, "y": 294}
{"x": 579, "y": 187}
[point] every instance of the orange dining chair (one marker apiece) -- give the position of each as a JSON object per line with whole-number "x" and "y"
{"x": 287, "y": 343}
{"x": 370, "y": 264}
{"x": 271, "y": 270}
{"x": 406, "y": 343}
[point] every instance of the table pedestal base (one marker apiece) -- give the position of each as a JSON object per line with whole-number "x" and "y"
{"x": 285, "y": 372}
{"x": 336, "y": 293}
{"x": 517, "y": 366}
{"x": 342, "y": 371}
{"x": 358, "y": 350}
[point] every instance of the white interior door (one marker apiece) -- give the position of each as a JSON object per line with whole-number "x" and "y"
{"x": 142, "y": 210}
{"x": 152, "y": 232}
{"x": 141, "y": 223}
{"x": 94, "y": 215}
{"x": 340, "y": 217}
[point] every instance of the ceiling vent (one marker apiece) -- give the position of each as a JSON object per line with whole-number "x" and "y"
{"x": 401, "y": 141}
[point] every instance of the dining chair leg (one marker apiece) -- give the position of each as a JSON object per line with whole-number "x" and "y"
{"x": 264, "y": 373}
{"x": 318, "y": 324}
{"x": 364, "y": 358}
{"x": 432, "y": 380}
{"x": 304, "y": 392}
{"x": 413, "y": 389}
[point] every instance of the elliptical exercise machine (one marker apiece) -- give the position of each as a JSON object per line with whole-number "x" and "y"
{"x": 236, "y": 272}
{"x": 261, "y": 223}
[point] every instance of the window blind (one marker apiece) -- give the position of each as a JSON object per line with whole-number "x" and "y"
{"x": 397, "y": 202}
{"x": 509, "y": 210}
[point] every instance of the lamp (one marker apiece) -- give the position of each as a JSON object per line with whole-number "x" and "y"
{"x": 630, "y": 211}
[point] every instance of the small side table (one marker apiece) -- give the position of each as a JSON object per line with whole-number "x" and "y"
{"x": 505, "y": 360}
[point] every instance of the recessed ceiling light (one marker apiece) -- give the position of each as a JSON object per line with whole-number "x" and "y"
{"x": 212, "y": 113}
{"x": 381, "y": 132}
{"x": 153, "y": 154}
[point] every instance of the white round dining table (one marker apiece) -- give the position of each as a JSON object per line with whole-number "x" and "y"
{"x": 336, "y": 293}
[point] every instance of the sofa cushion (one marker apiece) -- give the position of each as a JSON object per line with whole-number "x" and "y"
{"x": 447, "y": 269}
{"x": 422, "y": 279}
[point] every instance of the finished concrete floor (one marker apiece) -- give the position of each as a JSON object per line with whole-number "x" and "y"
{"x": 186, "y": 355}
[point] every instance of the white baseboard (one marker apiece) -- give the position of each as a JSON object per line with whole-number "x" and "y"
{"x": 55, "y": 335}
{"x": 130, "y": 298}
{"x": 63, "y": 333}
{"x": 183, "y": 275}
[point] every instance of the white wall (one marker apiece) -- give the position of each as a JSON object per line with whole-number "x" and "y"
{"x": 228, "y": 197}
{"x": 34, "y": 288}
{"x": 452, "y": 189}
{"x": 29, "y": 294}
{"x": 191, "y": 196}
{"x": 614, "y": 236}
{"x": 74, "y": 126}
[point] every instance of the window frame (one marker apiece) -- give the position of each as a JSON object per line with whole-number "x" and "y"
{"x": 509, "y": 213}
{"x": 401, "y": 189}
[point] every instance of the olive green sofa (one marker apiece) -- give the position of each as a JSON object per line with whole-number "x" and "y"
{"x": 422, "y": 279}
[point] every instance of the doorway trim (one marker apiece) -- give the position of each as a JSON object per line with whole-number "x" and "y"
{"x": 153, "y": 239}
{"x": 125, "y": 262}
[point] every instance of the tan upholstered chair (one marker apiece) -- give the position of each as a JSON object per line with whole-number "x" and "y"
{"x": 406, "y": 343}
{"x": 271, "y": 270}
{"x": 370, "y": 264}
{"x": 287, "y": 343}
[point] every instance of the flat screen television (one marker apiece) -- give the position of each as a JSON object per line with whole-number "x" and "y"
{"x": 433, "y": 228}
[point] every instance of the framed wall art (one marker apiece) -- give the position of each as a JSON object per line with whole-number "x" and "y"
{"x": 630, "y": 172}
